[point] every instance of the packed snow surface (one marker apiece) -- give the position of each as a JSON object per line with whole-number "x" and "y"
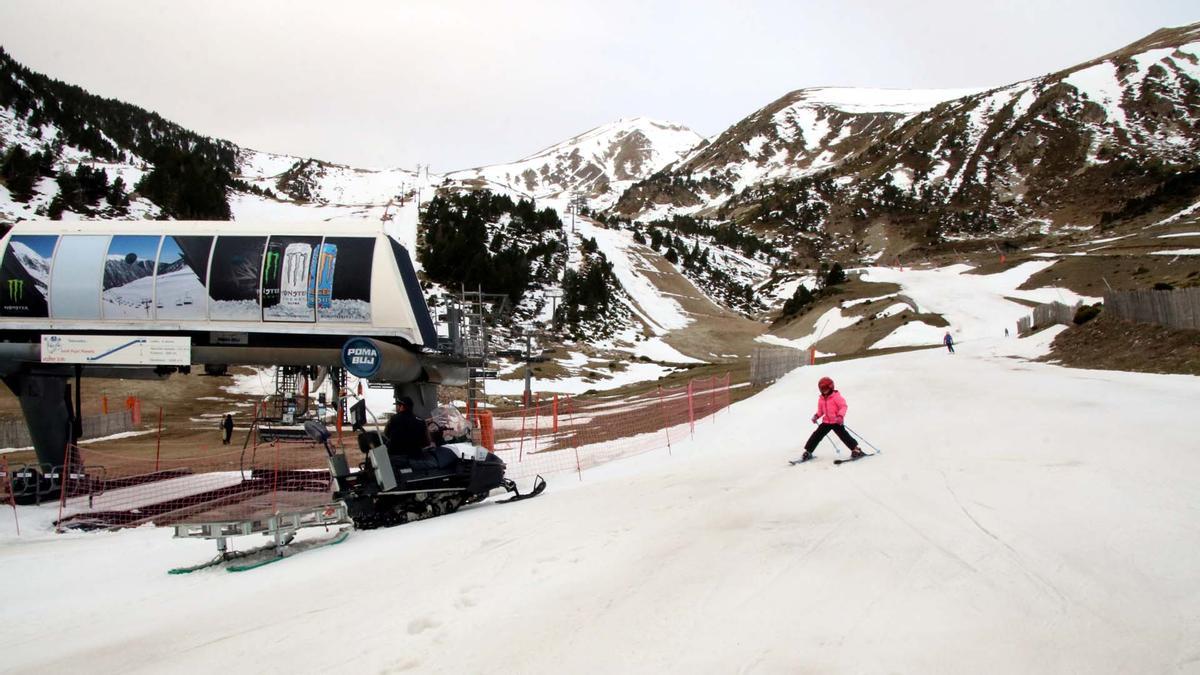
{"x": 633, "y": 271}
{"x": 1017, "y": 520}
{"x": 976, "y": 305}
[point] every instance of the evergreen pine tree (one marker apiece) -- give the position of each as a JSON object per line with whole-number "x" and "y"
{"x": 69, "y": 195}
{"x": 836, "y": 275}
{"x": 56, "y": 208}
{"x": 20, "y": 173}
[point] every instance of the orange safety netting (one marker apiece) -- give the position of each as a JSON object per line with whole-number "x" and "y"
{"x": 556, "y": 434}
{"x": 108, "y": 489}
{"x": 561, "y": 433}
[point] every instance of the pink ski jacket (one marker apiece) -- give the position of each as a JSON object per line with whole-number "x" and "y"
{"x": 832, "y": 409}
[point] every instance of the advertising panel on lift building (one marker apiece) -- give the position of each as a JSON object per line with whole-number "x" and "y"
{"x": 288, "y": 279}
{"x": 129, "y": 277}
{"x": 76, "y": 275}
{"x": 344, "y": 279}
{"x": 148, "y": 280}
{"x": 233, "y": 283}
{"x": 180, "y": 278}
{"x": 25, "y": 275}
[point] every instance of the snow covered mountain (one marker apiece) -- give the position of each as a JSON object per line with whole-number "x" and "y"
{"x": 118, "y": 271}
{"x": 313, "y": 181}
{"x": 599, "y": 164}
{"x": 817, "y": 175}
{"x": 1088, "y": 145}
{"x": 800, "y": 133}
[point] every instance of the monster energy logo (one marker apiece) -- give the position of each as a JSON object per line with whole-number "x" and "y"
{"x": 16, "y": 290}
{"x": 272, "y": 266}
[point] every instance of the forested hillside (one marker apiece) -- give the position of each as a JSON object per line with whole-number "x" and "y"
{"x": 184, "y": 174}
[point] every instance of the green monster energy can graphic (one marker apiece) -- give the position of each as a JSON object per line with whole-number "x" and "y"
{"x": 16, "y": 290}
{"x": 271, "y": 268}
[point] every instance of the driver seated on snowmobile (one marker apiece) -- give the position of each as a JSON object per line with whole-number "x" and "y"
{"x": 410, "y": 446}
{"x": 406, "y": 434}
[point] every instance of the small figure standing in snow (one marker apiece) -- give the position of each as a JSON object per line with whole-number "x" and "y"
{"x": 831, "y": 411}
{"x": 227, "y": 429}
{"x": 949, "y": 341}
{"x": 1006, "y": 331}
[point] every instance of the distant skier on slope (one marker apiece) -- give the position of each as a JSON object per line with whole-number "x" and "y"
{"x": 831, "y": 410}
{"x": 949, "y": 342}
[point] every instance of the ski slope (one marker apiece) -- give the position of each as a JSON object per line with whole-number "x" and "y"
{"x": 1023, "y": 518}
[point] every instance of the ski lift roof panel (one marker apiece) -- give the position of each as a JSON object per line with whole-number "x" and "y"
{"x": 328, "y": 278}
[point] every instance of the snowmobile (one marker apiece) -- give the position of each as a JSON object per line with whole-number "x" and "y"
{"x": 390, "y": 490}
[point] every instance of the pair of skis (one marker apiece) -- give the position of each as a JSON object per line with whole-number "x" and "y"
{"x": 836, "y": 462}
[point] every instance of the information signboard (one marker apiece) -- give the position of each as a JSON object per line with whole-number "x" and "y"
{"x": 122, "y": 350}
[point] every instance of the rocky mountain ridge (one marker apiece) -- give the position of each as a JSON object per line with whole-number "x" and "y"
{"x": 1086, "y": 146}
{"x": 598, "y": 164}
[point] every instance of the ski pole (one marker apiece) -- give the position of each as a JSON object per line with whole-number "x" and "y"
{"x": 859, "y": 436}
{"x": 837, "y": 450}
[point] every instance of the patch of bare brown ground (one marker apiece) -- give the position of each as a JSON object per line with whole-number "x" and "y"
{"x": 1108, "y": 343}
{"x": 715, "y": 332}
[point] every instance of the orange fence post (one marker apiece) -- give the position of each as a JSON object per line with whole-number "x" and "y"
{"x": 158, "y": 440}
{"x": 487, "y": 431}
{"x": 574, "y": 439}
{"x": 666, "y": 428}
{"x": 691, "y": 411}
{"x": 713, "y": 396}
{"x": 554, "y": 412}
{"x": 537, "y": 413}
{"x": 104, "y": 405}
{"x": 727, "y": 380}
{"x": 521, "y": 441}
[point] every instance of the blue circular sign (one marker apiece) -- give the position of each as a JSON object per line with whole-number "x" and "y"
{"x": 361, "y": 357}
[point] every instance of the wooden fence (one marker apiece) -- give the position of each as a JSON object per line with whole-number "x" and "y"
{"x": 1048, "y": 314}
{"x": 768, "y": 364}
{"x": 14, "y": 433}
{"x": 1179, "y": 309}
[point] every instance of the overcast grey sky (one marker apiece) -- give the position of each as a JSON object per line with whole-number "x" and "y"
{"x": 463, "y": 83}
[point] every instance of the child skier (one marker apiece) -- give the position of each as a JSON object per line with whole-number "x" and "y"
{"x": 831, "y": 410}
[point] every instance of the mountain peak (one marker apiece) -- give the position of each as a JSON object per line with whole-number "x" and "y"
{"x": 600, "y": 162}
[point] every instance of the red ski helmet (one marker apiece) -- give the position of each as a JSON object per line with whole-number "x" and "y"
{"x": 825, "y": 385}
